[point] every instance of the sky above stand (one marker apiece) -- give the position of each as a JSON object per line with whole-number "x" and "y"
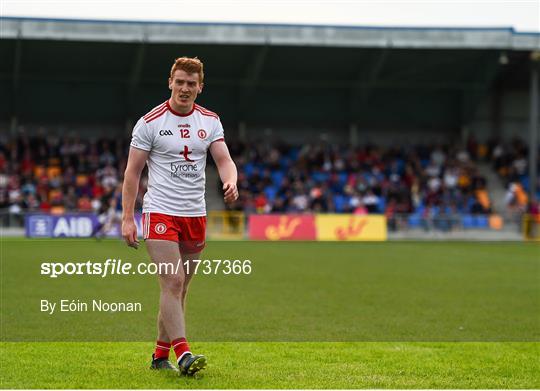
{"x": 522, "y": 15}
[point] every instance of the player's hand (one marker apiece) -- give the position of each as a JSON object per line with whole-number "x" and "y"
{"x": 230, "y": 192}
{"x": 129, "y": 233}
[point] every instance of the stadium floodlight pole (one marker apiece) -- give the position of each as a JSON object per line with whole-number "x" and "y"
{"x": 533, "y": 134}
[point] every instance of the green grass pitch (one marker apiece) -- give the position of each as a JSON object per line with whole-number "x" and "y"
{"x": 310, "y": 315}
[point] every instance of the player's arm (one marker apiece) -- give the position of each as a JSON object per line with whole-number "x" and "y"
{"x": 132, "y": 175}
{"x": 226, "y": 168}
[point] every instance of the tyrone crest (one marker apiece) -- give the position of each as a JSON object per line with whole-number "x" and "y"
{"x": 201, "y": 133}
{"x": 160, "y": 228}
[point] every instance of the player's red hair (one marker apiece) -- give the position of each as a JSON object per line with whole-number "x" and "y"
{"x": 189, "y": 65}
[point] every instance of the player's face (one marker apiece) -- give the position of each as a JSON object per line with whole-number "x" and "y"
{"x": 184, "y": 90}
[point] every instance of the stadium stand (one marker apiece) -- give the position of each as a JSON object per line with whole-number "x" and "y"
{"x": 509, "y": 160}
{"x": 440, "y": 184}
{"x": 369, "y": 179}
{"x": 58, "y": 175}
{"x": 425, "y": 90}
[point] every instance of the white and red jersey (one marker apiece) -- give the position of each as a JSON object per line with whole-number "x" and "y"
{"x": 178, "y": 144}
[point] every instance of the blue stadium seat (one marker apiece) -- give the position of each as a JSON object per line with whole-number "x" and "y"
{"x": 320, "y": 176}
{"x": 248, "y": 169}
{"x": 415, "y": 220}
{"x": 342, "y": 176}
{"x": 467, "y": 221}
{"x": 270, "y": 192}
{"x": 481, "y": 221}
{"x": 400, "y": 166}
{"x": 277, "y": 177}
{"x": 381, "y": 204}
{"x": 524, "y": 179}
{"x": 293, "y": 153}
{"x": 340, "y": 202}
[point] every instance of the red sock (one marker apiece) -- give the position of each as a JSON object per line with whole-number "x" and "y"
{"x": 162, "y": 349}
{"x": 180, "y": 347}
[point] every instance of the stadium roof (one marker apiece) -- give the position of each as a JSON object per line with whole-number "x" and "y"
{"x": 106, "y": 71}
{"x": 266, "y": 34}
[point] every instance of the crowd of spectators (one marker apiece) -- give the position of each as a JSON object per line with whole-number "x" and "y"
{"x": 510, "y": 162}
{"x": 421, "y": 180}
{"x": 52, "y": 174}
{"x": 62, "y": 174}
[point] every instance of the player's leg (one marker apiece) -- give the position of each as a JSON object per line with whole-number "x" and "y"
{"x": 171, "y": 325}
{"x": 189, "y": 271}
{"x": 192, "y": 240}
{"x": 162, "y": 235}
{"x": 162, "y": 333}
{"x": 162, "y": 350}
{"x": 190, "y": 363}
{"x": 163, "y": 345}
{"x": 172, "y": 286}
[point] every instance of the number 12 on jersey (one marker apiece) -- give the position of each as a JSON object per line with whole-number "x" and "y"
{"x": 184, "y": 133}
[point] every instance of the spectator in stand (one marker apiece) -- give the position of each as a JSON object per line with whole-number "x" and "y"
{"x": 510, "y": 162}
{"x": 516, "y": 198}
